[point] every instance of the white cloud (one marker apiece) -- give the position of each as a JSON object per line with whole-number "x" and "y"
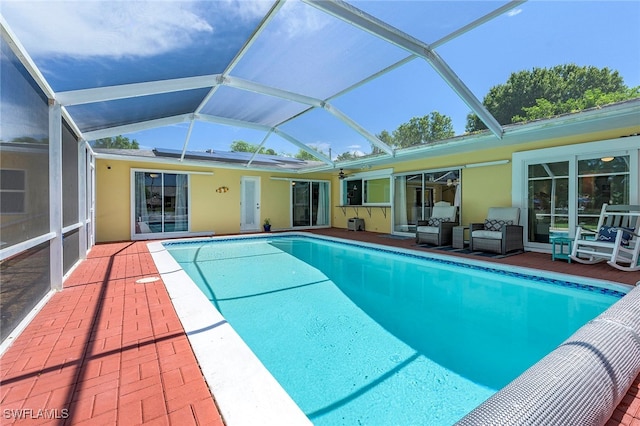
{"x": 514, "y": 12}
{"x": 103, "y": 28}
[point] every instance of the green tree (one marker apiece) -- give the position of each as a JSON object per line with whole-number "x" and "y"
{"x": 118, "y": 142}
{"x": 305, "y": 156}
{"x": 242, "y": 146}
{"x": 591, "y": 99}
{"x": 348, "y": 155}
{"x": 548, "y": 90}
{"x": 418, "y": 131}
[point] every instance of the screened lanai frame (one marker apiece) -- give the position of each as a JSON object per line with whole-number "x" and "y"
{"x": 264, "y": 97}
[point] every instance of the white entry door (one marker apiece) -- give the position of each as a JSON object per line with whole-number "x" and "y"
{"x": 250, "y": 199}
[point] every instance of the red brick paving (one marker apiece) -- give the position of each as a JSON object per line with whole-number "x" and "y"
{"x": 106, "y": 350}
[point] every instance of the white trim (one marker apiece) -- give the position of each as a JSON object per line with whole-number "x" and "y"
{"x": 25, "y": 245}
{"x": 72, "y": 227}
{"x": 486, "y": 163}
{"x": 55, "y": 195}
{"x": 160, "y": 235}
{"x": 8, "y": 341}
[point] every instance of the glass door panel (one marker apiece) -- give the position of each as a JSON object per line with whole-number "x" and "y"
{"x": 600, "y": 181}
{"x": 300, "y": 202}
{"x": 548, "y": 200}
{"x": 161, "y": 203}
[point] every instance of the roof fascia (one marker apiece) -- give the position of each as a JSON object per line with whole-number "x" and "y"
{"x": 366, "y": 22}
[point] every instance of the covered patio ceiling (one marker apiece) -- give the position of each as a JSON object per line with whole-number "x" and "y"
{"x": 279, "y": 68}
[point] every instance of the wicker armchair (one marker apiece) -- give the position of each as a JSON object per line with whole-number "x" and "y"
{"x": 500, "y": 232}
{"x": 438, "y": 229}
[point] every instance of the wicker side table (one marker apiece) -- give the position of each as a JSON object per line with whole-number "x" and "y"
{"x": 458, "y": 236}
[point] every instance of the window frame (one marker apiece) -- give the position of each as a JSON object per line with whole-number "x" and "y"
{"x": 23, "y": 191}
{"x": 622, "y": 146}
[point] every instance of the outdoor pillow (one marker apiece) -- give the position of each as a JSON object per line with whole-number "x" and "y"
{"x": 496, "y": 224}
{"x": 436, "y": 221}
{"x": 608, "y": 234}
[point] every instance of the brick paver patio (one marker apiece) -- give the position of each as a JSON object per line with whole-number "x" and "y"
{"x": 107, "y": 350}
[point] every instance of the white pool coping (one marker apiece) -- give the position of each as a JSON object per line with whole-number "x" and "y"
{"x": 245, "y": 391}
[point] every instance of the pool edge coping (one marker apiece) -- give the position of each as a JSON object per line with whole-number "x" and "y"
{"x": 269, "y": 403}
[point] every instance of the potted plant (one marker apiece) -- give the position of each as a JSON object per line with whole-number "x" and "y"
{"x": 267, "y": 225}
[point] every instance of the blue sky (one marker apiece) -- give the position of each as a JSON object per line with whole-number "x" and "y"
{"x": 80, "y": 44}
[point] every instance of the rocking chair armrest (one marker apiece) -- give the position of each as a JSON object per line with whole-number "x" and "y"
{"x": 584, "y": 230}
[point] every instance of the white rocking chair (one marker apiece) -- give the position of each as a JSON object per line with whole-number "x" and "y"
{"x": 616, "y": 240}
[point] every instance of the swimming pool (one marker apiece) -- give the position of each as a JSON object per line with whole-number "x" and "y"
{"x": 425, "y": 349}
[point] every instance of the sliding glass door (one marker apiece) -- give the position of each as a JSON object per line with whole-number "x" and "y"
{"x": 309, "y": 203}
{"x": 564, "y": 194}
{"x": 416, "y": 194}
{"x": 161, "y": 202}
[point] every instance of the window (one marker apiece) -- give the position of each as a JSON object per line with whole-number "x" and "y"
{"x": 12, "y": 191}
{"x": 372, "y": 188}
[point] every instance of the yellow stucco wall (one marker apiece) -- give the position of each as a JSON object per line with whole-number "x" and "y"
{"x": 211, "y": 211}
{"x": 482, "y": 187}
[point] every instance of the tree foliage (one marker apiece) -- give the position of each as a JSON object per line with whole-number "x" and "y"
{"x": 305, "y": 156}
{"x": 544, "y": 92}
{"x": 418, "y": 131}
{"x": 348, "y": 155}
{"x": 118, "y": 142}
{"x": 591, "y": 99}
{"x": 243, "y": 146}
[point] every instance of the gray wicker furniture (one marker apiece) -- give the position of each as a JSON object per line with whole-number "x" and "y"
{"x": 616, "y": 240}
{"x": 438, "y": 229}
{"x": 500, "y": 232}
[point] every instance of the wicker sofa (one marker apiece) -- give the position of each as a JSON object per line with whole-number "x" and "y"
{"x": 438, "y": 229}
{"x": 500, "y": 232}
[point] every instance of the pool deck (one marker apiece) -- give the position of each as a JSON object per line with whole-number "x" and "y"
{"x": 108, "y": 350}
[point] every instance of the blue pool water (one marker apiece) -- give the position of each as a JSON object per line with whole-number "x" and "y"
{"x": 367, "y": 336}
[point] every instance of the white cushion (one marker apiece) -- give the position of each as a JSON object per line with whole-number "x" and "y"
{"x": 428, "y": 229}
{"x": 505, "y": 213}
{"x": 444, "y": 211}
{"x": 492, "y": 235}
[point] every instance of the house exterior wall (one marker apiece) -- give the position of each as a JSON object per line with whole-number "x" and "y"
{"x": 210, "y": 211}
{"x": 219, "y": 212}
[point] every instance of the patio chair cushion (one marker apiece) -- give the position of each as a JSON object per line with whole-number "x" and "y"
{"x": 496, "y": 224}
{"x": 608, "y": 234}
{"x": 482, "y": 233}
{"x": 428, "y": 229}
{"x": 436, "y": 221}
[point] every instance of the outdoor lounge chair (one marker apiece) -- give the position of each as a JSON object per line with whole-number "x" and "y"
{"x": 616, "y": 239}
{"x": 438, "y": 229}
{"x": 500, "y": 232}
